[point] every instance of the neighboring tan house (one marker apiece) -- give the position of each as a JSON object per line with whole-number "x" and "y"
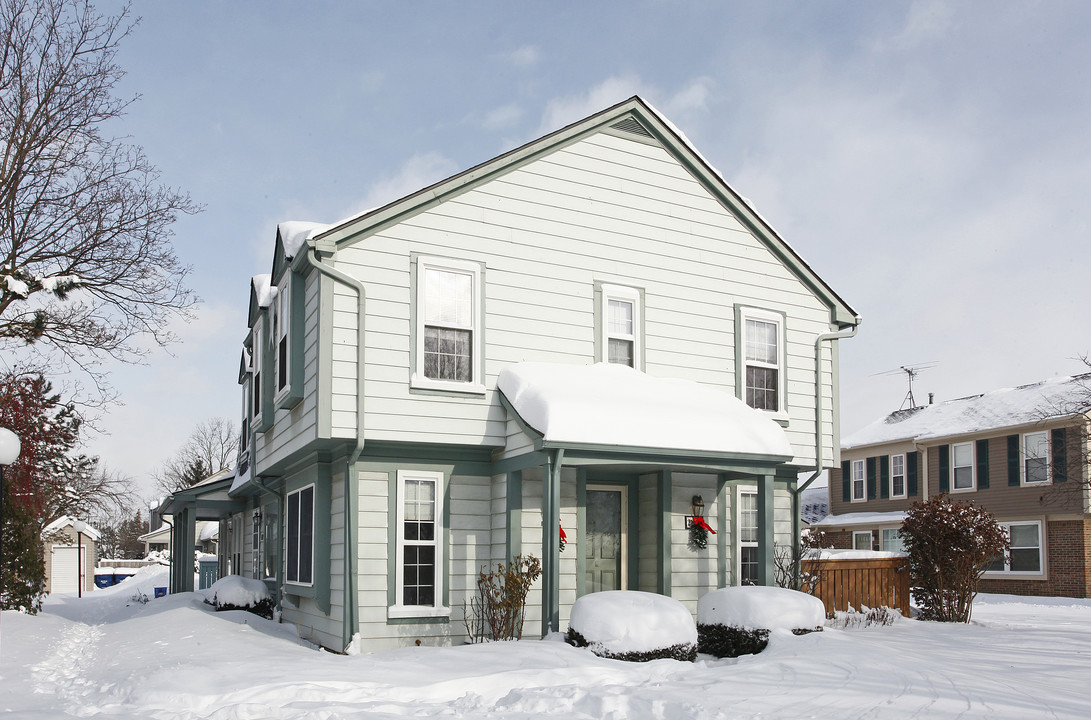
{"x": 70, "y": 552}
{"x": 1020, "y": 453}
{"x": 583, "y": 334}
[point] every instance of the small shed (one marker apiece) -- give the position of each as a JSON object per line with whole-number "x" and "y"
{"x": 70, "y": 552}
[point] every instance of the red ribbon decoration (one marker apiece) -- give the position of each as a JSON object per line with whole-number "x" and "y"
{"x": 564, "y": 537}
{"x": 700, "y": 522}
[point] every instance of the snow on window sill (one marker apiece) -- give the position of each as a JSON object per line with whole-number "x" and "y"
{"x": 398, "y": 612}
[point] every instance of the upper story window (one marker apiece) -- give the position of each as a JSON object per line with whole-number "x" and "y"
{"x": 621, "y": 337}
{"x": 897, "y": 476}
{"x": 257, "y": 353}
{"x": 1036, "y": 458}
{"x": 859, "y": 486}
{"x": 419, "y": 551}
{"x": 281, "y": 327}
{"x": 762, "y": 363}
{"x": 962, "y": 462}
{"x": 448, "y": 336}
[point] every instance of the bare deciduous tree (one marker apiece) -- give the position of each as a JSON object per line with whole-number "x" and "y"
{"x": 211, "y": 447}
{"x": 87, "y": 268}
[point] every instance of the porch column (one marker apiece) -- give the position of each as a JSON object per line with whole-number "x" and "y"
{"x": 184, "y": 536}
{"x": 551, "y": 538}
{"x": 766, "y": 575}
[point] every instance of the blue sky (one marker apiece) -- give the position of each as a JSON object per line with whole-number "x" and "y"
{"x": 930, "y": 160}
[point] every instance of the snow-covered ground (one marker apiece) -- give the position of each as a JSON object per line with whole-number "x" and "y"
{"x": 174, "y": 657}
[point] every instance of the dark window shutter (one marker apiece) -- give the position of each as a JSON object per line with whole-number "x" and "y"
{"x": 884, "y": 476}
{"x": 944, "y": 468}
{"x": 846, "y": 482}
{"x": 1013, "y": 460}
{"x": 871, "y": 478}
{"x": 982, "y": 452}
{"x": 1060, "y": 456}
{"x": 911, "y": 474}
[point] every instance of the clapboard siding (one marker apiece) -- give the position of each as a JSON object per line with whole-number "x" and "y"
{"x": 602, "y": 209}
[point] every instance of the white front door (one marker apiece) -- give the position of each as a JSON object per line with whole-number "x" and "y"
{"x": 606, "y": 556}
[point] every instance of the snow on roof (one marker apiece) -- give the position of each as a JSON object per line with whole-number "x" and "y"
{"x": 814, "y": 504}
{"x": 209, "y": 529}
{"x": 608, "y": 404}
{"x": 67, "y": 521}
{"x": 840, "y": 554}
{"x": 861, "y": 518}
{"x": 264, "y": 290}
{"x": 1008, "y": 407}
{"x": 293, "y": 233}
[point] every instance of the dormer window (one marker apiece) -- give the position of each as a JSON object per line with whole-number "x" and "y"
{"x": 281, "y": 327}
{"x": 256, "y": 355}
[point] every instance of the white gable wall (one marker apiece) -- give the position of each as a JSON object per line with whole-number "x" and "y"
{"x": 604, "y": 209}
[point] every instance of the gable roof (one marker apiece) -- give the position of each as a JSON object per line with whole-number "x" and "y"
{"x": 262, "y": 292}
{"x": 1009, "y": 407}
{"x": 66, "y": 521}
{"x": 632, "y": 118}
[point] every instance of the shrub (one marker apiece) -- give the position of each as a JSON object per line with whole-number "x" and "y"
{"x": 633, "y": 626}
{"x": 496, "y": 613}
{"x": 737, "y": 620}
{"x": 728, "y": 641}
{"x": 949, "y": 545}
{"x": 865, "y": 617}
{"x": 234, "y": 592}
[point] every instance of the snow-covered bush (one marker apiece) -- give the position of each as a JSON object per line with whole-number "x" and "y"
{"x": 864, "y": 617}
{"x": 633, "y": 626}
{"x": 737, "y": 620}
{"x": 234, "y": 592}
{"x": 950, "y": 545}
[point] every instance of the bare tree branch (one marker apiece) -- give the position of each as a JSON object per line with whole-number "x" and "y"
{"x": 211, "y": 447}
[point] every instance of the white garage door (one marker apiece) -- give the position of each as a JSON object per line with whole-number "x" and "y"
{"x": 65, "y": 569}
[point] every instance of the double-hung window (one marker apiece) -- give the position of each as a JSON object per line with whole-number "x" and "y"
{"x": 281, "y": 329}
{"x": 621, "y": 325}
{"x": 897, "y": 476}
{"x": 962, "y": 455}
{"x": 448, "y": 336}
{"x": 300, "y": 536}
{"x": 748, "y": 538}
{"x": 1025, "y": 555}
{"x": 419, "y": 577}
{"x": 1035, "y": 458}
{"x": 859, "y": 486}
{"x": 256, "y": 354}
{"x": 862, "y": 540}
{"x": 762, "y": 359}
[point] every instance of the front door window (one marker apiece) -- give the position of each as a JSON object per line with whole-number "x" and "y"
{"x": 605, "y": 546}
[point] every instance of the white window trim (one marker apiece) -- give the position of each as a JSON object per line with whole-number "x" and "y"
{"x": 905, "y": 481}
{"x": 418, "y": 380}
{"x": 973, "y": 468}
{"x": 739, "y": 544}
{"x": 399, "y": 609}
{"x": 257, "y": 351}
{"x": 287, "y": 535}
{"x": 626, "y": 294}
{"x": 1040, "y": 574}
{"x": 282, "y": 328}
{"x": 1023, "y": 459}
{"x": 749, "y": 313}
{"x": 871, "y": 539}
{"x": 852, "y": 482}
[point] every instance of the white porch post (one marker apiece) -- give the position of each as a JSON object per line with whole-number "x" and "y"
{"x": 766, "y": 574}
{"x": 551, "y": 534}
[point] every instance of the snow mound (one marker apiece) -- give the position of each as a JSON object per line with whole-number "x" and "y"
{"x": 765, "y": 608}
{"x": 237, "y": 591}
{"x": 627, "y": 624}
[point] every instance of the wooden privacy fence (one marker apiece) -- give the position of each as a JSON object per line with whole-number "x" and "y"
{"x": 857, "y": 583}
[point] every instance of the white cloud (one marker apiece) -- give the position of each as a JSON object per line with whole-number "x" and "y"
{"x": 525, "y": 56}
{"x": 925, "y": 21}
{"x": 418, "y": 172}
{"x": 566, "y": 110}
{"x": 503, "y": 117}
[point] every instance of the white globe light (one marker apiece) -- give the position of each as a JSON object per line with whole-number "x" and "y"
{"x": 9, "y": 447}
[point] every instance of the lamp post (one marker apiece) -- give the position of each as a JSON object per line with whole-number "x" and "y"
{"x": 80, "y": 527}
{"x": 9, "y": 453}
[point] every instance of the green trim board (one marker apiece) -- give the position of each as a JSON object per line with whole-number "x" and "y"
{"x": 665, "y": 491}
{"x": 514, "y": 513}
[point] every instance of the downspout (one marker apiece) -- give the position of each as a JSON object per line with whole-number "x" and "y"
{"x": 798, "y": 492}
{"x": 312, "y": 255}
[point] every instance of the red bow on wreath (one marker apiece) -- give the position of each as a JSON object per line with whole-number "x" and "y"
{"x": 700, "y": 522}
{"x": 564, "y": 539}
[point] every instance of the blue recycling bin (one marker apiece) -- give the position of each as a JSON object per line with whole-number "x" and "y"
{"x": 104, "y": 580}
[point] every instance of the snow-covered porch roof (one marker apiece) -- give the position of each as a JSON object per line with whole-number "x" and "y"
{"x": 616, "y": 409}
{"x": 860, "y": 519}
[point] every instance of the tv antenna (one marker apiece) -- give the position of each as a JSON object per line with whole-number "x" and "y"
{"x": 910, "y": 371}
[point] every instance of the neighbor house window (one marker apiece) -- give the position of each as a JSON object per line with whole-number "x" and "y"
{"x": 859, "y": 487}
{"x": 1025, "y": 555}
{"x": 300, "y": 540}
{"x": 748, "y": 538}
{"x": 897, "y": 476}
{"x": 281, "y": 329}
{"x": 419, "y": 542}
{"x": 892, "y": 540}
{"x": 861, "y": 540}
{"x": 621, "y": 325}
{"x": 448, "y": 343}
{"x": 963, "y": 461}
{"x": 762, "y": 367}
{"x": 1036, "y": 458}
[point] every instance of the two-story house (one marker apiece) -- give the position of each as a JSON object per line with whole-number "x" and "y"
{"x": 1020, "y": 453}
{"x": 591, "y": 334}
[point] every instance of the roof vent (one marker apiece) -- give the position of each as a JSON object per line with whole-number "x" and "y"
{"x": 631, "y": 125}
